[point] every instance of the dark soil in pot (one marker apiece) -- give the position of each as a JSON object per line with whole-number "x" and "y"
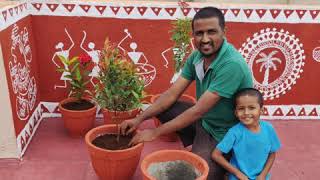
{"x": 109, "y": 142}
{"x": 173, "y": 170}
{"x": 78, "y": 105}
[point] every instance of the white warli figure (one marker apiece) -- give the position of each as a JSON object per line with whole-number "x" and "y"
{"x": 94, "y": 54}
{"x": 64, "y": 53}
{"x": 146, "y": 71}
{"x": 23, "y": 85}
{"x": 179, "y": 53}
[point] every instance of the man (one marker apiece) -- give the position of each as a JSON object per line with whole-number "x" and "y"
{"x": 219, "y": 71}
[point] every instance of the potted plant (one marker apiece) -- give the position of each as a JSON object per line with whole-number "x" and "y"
{"x": 120, "y": 88}
{"x": 119, "y": 93}
{"x": 180, "y": 35}
{"x": 78, "y": 111}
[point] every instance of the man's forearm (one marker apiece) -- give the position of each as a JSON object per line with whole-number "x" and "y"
{"x": 161, "y": 104}
{"x": 181, "y": 121}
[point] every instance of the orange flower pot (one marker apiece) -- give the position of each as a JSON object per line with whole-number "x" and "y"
{"x": 114, "y": 117}
{"x": 78, "y": 122}
{"x": 172, "y": 137}
{"x": 112, "y": 164}
{"x": 173, "y": 155}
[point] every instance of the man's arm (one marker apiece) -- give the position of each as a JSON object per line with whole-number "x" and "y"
{"x": 267, "y": 166}
{"x": 161, "y": 104}
{"x": 206, "y": 101}
{"x": 166, "y": 99}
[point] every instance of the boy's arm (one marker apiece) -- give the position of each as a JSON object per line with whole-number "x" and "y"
{"x": 219, "y": 158}
{"x": 267, "y": 166}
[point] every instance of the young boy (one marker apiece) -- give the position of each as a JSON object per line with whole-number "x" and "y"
{"x": 253, "y": 142}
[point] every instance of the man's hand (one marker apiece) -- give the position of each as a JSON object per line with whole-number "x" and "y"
{"x": 128, "y": 126}
{"x": 143, "y": 136}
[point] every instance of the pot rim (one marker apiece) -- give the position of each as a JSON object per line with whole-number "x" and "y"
{"x": 89, "y": 143}
{"x": 69, "y": 99}
{"x": 129, "y": 111}
{"x": 144, "y": 166}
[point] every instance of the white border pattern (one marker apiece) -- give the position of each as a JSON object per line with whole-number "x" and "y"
{"x": 12, "y": 14}
{"x": 272, "y": 112}
{"x": 149, "y": 10}
{"x": 26, "y": 134}
{"x": 130, "y": 10}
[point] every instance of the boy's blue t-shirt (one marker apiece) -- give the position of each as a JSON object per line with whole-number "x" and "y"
{"x": 250, "y": 150}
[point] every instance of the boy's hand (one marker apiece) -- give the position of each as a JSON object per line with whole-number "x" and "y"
{"x": 261, "y": 177}
{"x": 241, "y": 176}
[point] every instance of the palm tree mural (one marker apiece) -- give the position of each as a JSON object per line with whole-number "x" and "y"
{"x": 267, "y": 62}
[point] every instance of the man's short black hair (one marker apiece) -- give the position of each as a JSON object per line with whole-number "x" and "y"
{"x": 250, "y": 92}
{"x": 209, "y": 12}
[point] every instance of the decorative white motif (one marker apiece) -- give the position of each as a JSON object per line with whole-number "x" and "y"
{"x": 64, "y": 53}
{"x": 174, "y": 51}
{"x": 26, "y": 134}
{"x": 269, "y": 48}
{"x": 146, "y": 71}
{"x": 316, "y": 54}
{"x": 23, "y": 85}
{"x": 94, "y": 54}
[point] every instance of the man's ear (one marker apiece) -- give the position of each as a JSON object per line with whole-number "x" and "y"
{"x": 225, "y": 31}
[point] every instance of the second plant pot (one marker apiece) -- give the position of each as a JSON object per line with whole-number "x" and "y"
{"x": 114, "y": 117}
{"x": 78, "y": 122}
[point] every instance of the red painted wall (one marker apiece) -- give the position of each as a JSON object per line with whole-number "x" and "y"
{"x": 152, "y": 39}
{"x": 19, "y": 54}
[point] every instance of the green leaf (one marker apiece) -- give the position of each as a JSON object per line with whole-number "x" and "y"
{"x": 86, "y": 82}
{"x": 63, "y": 60}
{"x": 75, "y": 84}
{"x": 76, "y": 65}
{"x": 61, "y": 70}
{"x": 73, "y": 60}
{"x": 68, "y": 76}
{"x": 78, "y": 74}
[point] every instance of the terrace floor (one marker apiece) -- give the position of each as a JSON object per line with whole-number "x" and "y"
{"x": 53, "y": 155}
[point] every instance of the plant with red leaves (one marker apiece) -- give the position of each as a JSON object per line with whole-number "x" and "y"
{"x": 77, "y": 73}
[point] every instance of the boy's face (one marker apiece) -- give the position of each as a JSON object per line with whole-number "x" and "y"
{"x": 248, "y": 110}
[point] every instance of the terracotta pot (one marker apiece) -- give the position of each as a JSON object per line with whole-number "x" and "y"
{"x": 112, "y": 164}
{"x": 114, "y": 117}
{"x": 172, "y": 137}
{"x": 78, "y": 122}
{"x": 172, "y": 155}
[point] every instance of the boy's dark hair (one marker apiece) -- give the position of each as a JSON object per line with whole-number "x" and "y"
{"x": 208, "y": 12}
{"x": 250, "y": 92}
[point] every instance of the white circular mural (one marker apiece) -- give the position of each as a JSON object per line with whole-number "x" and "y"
{"x": 276, "y": 59}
